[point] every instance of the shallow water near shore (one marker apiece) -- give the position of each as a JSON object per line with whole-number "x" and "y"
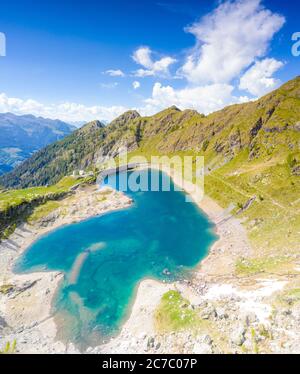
{"x": 161, "y": 236}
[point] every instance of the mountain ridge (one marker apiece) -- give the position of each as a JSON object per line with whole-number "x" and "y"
{"x": 23, "y": 135}
{"x": 267, "y": 127}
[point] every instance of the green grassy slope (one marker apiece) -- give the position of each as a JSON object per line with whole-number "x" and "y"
{"x": 250, "y": 149}
{"x": 266, "y": 129}
{"x": 80, "y": 150}
{"x": 17, "y": 205}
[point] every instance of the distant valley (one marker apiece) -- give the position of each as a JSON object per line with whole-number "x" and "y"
{"x": 21, "y": 136}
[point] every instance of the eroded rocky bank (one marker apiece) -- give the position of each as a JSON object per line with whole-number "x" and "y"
{"x": 26, "y": 300}
{"x": 235, "y": 314}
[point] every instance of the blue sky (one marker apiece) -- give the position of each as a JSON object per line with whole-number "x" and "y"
{"x": 80, "y": 60}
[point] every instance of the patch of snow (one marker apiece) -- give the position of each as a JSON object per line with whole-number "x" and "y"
{"x": 249, "y": 301}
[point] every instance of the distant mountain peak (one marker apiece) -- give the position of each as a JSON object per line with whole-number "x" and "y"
{"x": 30, "y": 119}
{"x": 130, "y": 115}
{"x": 262, "y": 129}
{"x": 22, "y": 135}
{"x": 174, "y": 107}
{"x": 96, "y": 123}
{"x": 90, "y": 127}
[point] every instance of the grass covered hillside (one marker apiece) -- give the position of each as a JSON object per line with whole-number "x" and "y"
{"x": 81, "y": 150}
{"x": 267, "y": 129}
{"x": 55, "y": 161}
{"x": 17, "y": 206}
{"x": 252, "y": 153}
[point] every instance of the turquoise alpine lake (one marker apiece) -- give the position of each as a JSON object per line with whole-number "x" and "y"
{"x": 161, "y": 236}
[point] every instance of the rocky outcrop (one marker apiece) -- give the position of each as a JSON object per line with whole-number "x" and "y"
{"x": 232, "y": 320}
{"x": 255, "y": 129}
{"x": 26, "y": 300}
{"x": 124, "y": 119}
{"x": 296, "y": 170}
{"x": 14, "y": 215}
{"x": 219, "y": 147}
{"x": 297, "y": 126}
{"x": 235, "y": 142}
{"x": 247, "y": 205}
{"x": 229, "y": 132}
{"x": 16, "y": 289}
{"x": 276, "y": 129}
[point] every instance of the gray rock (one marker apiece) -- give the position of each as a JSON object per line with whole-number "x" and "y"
{"x": 238, "y": 335}
{"x": 2, "y": 323}
{"x": 202, "y": 348}
{"x": 142, "y": 336}
{"x": 296, "y": 312}
{"x": 249, "y": 318}
{"x": 206, "y": 339}
{"x": 150, "y": 342}
{"x": 221, "y": 313}
{"x": 297, "y": 126}
{"x": 50, "y": 218}
{"x": 208, "y": 312}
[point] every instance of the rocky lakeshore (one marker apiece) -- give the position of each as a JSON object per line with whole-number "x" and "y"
{"x": 25, "y": 300}
{"x": 237, "y": 314}
{"x": 234, "y": 319}
{"x": 246, "y": 314}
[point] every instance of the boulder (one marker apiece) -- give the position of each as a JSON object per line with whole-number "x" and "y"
{"x": 208, "y": 312}
{"x": 221, "y": 313}
{"x": 296, "y": 312}
{"x": 202, "y": 348}
{"x": 238, "y": 335}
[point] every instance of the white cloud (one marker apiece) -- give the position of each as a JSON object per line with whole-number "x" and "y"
{"x": 115, "y": 73}
{"x": 142, "y": 56}
{"x": 109, "y": 85}
{"x": 228, "y": 40}
{"x": 142, "y": 73}
{"x": 136, "y": 85}
{"x": 205, "y": 99}
{"x": 67, "y": 111}
{"x": 231, "y": 44}
{"x": 258, "y": 79}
